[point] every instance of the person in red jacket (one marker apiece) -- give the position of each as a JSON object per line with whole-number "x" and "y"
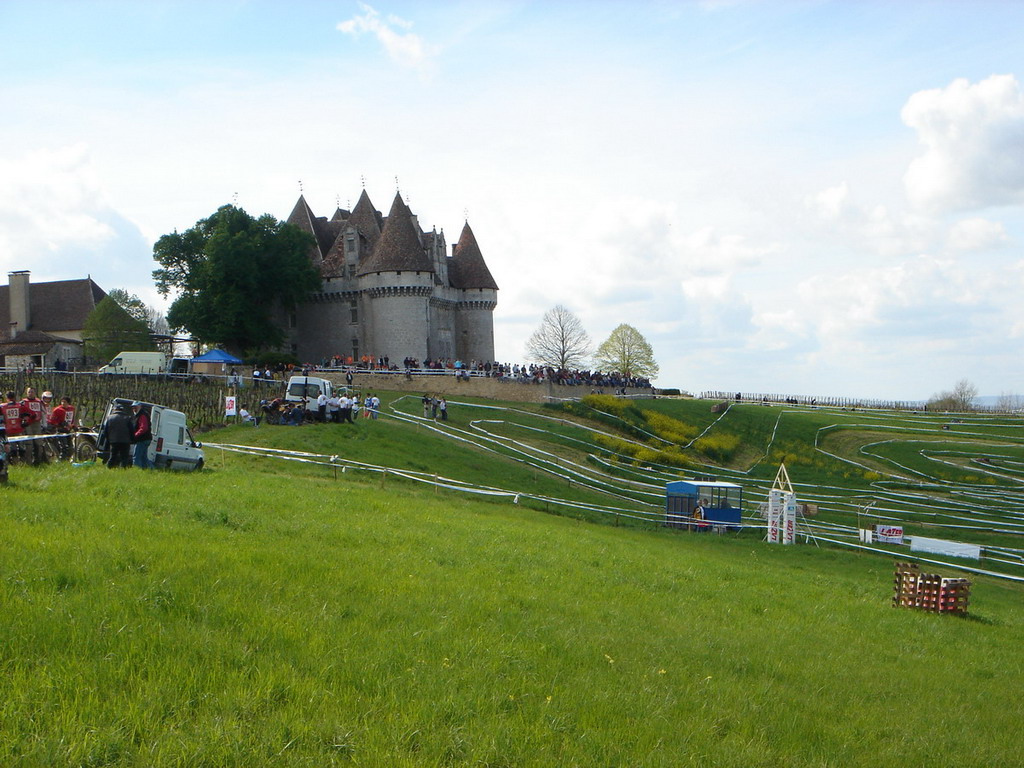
{"x": 62, "y": 419}
{"x": 34, "y": 424}
{"x": 141, "y": 436}
{"x": 14, "y": 415}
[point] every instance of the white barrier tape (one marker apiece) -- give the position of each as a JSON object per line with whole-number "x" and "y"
{"x": 423, "y": 477}
{"x": 922, "y": 505}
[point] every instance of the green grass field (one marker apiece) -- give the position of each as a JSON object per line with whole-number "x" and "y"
{"x": 249, "y": 616}
{"x": 274, "y": 612}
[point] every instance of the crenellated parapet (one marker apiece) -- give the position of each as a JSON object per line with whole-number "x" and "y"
{"x": 476, "y": 305}
{"x": 324, "y": 297}
{"x": 382, "y": 291}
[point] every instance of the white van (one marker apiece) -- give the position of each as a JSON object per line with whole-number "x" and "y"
{"x": 306, "y": 389}
{"x": 172, "y": 447}
{"x": 137, "y": 362}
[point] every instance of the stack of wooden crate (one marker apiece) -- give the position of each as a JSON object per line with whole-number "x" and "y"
{"x": 929, "y": 591}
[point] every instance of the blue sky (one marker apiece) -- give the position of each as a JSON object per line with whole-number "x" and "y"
{"x": 811, "y": 198}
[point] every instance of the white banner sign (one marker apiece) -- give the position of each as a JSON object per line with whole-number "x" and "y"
{"x": 940, "y": 547}
{"x": 230, "y": 406}
{"x": 775, "y": 503}
{"x": 789, "y": 518}
{"x": 889, "y": 534}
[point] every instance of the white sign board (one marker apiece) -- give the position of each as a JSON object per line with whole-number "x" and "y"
{"x": 775, "y": 503}
{"x": 889, "y": 534}
{"x": 230, "y": 405}
{"x": 940, "y": 547}
{"x": 789, "y": 518}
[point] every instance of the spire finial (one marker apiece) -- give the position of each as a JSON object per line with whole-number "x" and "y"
{"x": 300, "y": 186}
{"x": 234, "y": 199}
{"x": 362, "y": 178}
{"x": 396, "y": 183}
{"x": 465, "y": 215}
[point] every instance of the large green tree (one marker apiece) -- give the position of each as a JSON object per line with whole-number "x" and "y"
{"x": 231, "y": 273}
{"x": 627, "y": 352}
{"x": 109, "y": 329}
{"x": 130, "y": 303}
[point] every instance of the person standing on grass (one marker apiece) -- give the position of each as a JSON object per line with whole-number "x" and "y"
{"x": 142, "y": 436}
{"x": 427, "y": 400}
{"x": 62, "y": 421}
{"x": 34, "y": 423}
{"x": 321, "y": 407}
{"x": 119, "y": 439}
{"x": 442, "y": 406}
{"x": 47, "y": 400}
{"x": 374, "y": 406}
{"x": 14, "y": 414}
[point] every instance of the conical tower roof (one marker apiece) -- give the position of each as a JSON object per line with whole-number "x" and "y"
{"x": 399, "y": 248}
{"x": 364, "y": 219}
{"x": 303, "y": 218}
{"x": 467, "y": 268}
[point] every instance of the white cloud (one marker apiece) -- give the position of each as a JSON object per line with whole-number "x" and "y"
{"x": 832, "y": 203}
{"x": 973, "y": 139}
{"x": 405, "y": 48}
{"x": 55, "y": 220}
{"x": 976, "y": 234}
{"x": 49, "y": 198}
{"x": 875, "y": 229}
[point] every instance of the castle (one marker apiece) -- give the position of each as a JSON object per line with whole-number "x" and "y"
{"x": 391, "y": 290}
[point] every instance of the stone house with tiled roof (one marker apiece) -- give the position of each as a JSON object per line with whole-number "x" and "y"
{"x": 392, "y": 290}
{"x": 42, "y": 322}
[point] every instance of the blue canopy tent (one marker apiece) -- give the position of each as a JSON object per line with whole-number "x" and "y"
{"x": 217, "y": 356}
{"x": 215, "y": 361}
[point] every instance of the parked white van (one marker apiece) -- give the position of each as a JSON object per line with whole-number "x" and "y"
{"x": 137, "y": 362}
{"x": 306, "y": 389}
{"x": 172, "y": 447}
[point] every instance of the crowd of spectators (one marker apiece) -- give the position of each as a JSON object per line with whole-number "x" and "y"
{"x": 514, "y": 372}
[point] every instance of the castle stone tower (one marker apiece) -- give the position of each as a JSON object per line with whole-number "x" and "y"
{"x": 390, "y": 289}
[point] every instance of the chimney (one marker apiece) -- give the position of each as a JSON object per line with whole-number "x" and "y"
{"x": 17, "y": 297}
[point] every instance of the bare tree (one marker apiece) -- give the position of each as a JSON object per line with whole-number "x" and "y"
{"x": 1010, "y": 402}
{"x": 964, "y": 394}
{"x": 157, "y": 321}
{"x": 960, "y": 398}
{"x": 560, "y": 341}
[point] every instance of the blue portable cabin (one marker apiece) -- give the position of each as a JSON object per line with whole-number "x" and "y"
{"x": 722, "y": 503}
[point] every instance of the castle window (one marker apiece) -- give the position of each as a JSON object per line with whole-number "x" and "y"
{"x": 355, "y": 349}
{"x": 353, "y": 307}
{"x": 350, "y": 245}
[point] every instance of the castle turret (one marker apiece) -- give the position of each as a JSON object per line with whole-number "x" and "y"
{"x": 398, "y": 281}
{"x": 477, "y": 298}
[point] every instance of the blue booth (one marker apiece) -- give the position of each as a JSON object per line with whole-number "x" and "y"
{"x": 721, "y": 504}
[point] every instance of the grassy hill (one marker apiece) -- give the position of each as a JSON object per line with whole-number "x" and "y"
{"x": 285, "y": 612}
